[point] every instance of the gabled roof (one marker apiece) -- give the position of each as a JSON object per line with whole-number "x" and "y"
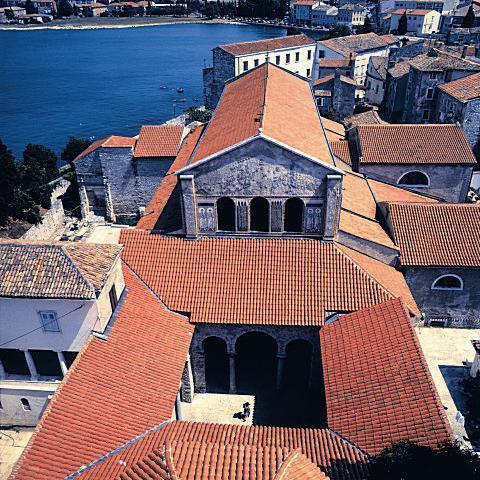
{"x": 113, "y": 141}
{"x": 413, "y": 11}
{"x": 58, "y": 270}
{"x": 413, "y": 144}
{"x": 259, "y": 46}
{"x": 377, "y": 384}
{"x": 439, "y": 61}
{"x": 385, "y": 192}
{"x": 370, "y": 117}
{"x": 464, "y": 89}
{"x": 437, "y": 234}
{"x": 242, "y": 452}
{"x": 158, "y": 141}
{"x": 333, "y": 62}
{"x": 352, "y": 44}
{"x": 159, "y": 214}
{"x": 291, "y": 282}
{"x": 116, "y": 389}
{"x": 341, "y": 150}
{"x": 270, "y": 102}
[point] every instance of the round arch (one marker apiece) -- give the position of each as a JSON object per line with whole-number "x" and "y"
{"x": 256, "y": 362}
{"x": 294, "y": 212}
{"x": 414, "y": 178}
{"x": 216, "y": 365}
{"x": 226, "y": 214}
{"x": 448, "y": 282}
{"x": 298, "y": 364}
{"x": 259, "y": 215}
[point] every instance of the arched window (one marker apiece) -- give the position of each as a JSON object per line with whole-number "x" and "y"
{"x": 294, "y": 208}
{"x": 259, "y": 215}
{"x": 226, "y": 214}
{"x": 414, "y": 179}
{"x": 448, "y": 282}
{"x": 25, "y": 404}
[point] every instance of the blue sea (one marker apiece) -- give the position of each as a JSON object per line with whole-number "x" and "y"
{"x": 91, "y": 83}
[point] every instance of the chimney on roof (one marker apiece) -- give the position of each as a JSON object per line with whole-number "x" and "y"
{"x": 468, "y": 51}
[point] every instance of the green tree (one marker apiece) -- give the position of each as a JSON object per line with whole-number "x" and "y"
{"x": 367, "y": 26}
{"x": 76, "y": 10}
{"x": 471, "y": 388}
{"x": 9, "y": 181}
{"x": 408, "y": 461}
{"x": 30, "y": 8}
{"x": 340, "y": 30}
{"x": 402, "y": 24}
{"x": 195, "y": 114}
{"x": 469, "y": 18}
{"x": 38, "y": 169}
{"x": 9, "y": 14}
{"x": 64, "y": 9}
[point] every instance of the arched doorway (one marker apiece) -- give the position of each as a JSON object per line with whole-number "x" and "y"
{"x": 256, "y": 362}
{"x": 298, "y": 365}
{"x": 226, "y": 214}
{"x": 216, "y": 365}
{"x": 259, "y": 215}
{"x": 293, "y": 215}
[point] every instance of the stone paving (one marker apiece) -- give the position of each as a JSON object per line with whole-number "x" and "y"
{"x": 449, "y": 354}
{"x": 218, "y": 408}
{"x": 12, "y": 444}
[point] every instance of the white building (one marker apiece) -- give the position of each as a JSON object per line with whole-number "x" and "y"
{"x": 324, "y": 15}
{"x": 356, "y": 47}
{"x": 302, "y": 11}
{"x": 441, "y": 6}
{"x": 52, "y": 297}
{"x": 376, "y": 80}
{"x": 351, "y": 15}
{"x": 420, "y": 22}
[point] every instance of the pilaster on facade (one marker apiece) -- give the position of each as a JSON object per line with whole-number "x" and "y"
{"x": 189, "y": 204}
{"x": 84, "y": 204}
{"x": 109, "y": 210}
{"x": 332, "y": 206}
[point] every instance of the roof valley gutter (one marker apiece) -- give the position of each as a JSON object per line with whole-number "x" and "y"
{"x": 83, "y": 469}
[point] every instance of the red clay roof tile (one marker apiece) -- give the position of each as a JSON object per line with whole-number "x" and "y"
{"x": 464, "y": 89}
{"x": 158, "y": 141}
{"x": 437, "y": 234}
{"x": 116, "y": 389}
{"x": 377, "y": 384}
{"x": 113, "y": 141}
{"x": 291, "y": 282}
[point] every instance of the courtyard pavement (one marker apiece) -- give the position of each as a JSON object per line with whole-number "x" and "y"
{"x": 449, "y": 354}
{"x": 218, "y": 408}
{"x": 12, "y": 444}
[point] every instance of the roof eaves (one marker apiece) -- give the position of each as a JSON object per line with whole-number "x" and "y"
{"x": 74, "y": 265}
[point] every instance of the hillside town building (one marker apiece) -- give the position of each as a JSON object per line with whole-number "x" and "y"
{"x": 376, "y": 80}
{"x": 294, "y": 53}
{"x": 419, "y": 22}
{"x": 62, "y": 293}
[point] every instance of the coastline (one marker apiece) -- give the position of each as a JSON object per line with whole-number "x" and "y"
{"x": 96, "y": 23}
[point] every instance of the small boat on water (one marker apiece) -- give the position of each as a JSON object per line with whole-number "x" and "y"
{"x": 163, "y": 87}
{"x": 181, "y": 100}
{"x": 180, "y": 90}
{"x": 195, "y": 99}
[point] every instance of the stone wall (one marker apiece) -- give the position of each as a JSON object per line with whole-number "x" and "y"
{"x": 283, "y": 335}
{"x": 448, "y": 182}
{"x": 53, "y": 221}
{"x": 343, "y": 100}
{"x": 461, "y": 308}
{"x": 214, "y": 79}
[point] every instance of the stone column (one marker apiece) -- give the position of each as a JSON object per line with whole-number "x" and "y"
{"x": 84, "y": 205}
{"x": 63, "y": 363}
{"x": 3, "y": 374}
{"x": 187, "y": 390}
{"x": 233, "y": 381}
{"x": 31, "y": 365}
{"x": 109, "y": 211}
{"x": 189, "y": 204}
{"x": 280, "y": 368}
{"x": 242, "y": 216}
{"x": 276, "y": 216}
{"x": 332, "y": 206}
{"x": 178, "y": 407}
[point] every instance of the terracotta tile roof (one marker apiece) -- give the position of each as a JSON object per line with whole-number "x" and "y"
{"x": 205, "y": 461}
{"x": 341, "y": 150}
{"x": 356, "y": 195}
{"x": 113, "y": 141}
{"x": 291, "y": 282}
{"x": 258, "y": 46}
{"x": 333, "y": 62}
{"x": 158, "y": 141}
{"x": 116, "y": 389}
{"x": 307, "y": 3}
{"x": 439, "y": 61}
{"x": 390, "y": 278}
{"x": 464, "y": 89}
{"x": 380, "y": 65}
{"x": 384, "y": 192}
{"x": 415, "y": 11}
{"x": 333, "y": 130}
{"x": 358, "y": 43}
{"x": 400, "y": 69}
{"x": 377, "y": 384}
{"x": 274, "y": 100}
{"x": 414, "y": 144}
{"x": 437, "y": 234}
{"x": 364, "y": 228}
{"x": 158, "y": 215}
{"x": 259, "y": 448}
{"x": 58, "y": 270}
{"x": 322, "y": 80}
{"x": 369, "y": 117}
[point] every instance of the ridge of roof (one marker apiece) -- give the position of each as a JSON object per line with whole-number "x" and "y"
{"x": 463, "y": 89}
{"x": 111, "y": 141}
